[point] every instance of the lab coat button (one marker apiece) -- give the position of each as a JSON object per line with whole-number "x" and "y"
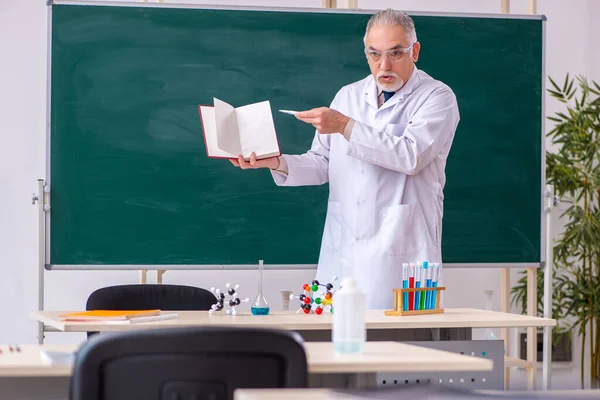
{"x": 358, "y": 203}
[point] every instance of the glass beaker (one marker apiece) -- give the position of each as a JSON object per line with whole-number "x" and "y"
{"x": 260, "y": 305}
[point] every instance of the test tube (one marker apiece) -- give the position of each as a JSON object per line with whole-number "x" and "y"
{"x": 404, "y": 286}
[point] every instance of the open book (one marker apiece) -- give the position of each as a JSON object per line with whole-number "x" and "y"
{"x": 230, "y": 131}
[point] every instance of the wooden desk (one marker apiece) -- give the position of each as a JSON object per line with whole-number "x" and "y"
{"x": 287, "y": 394}
{"x": 389, "y": 357}
{"x": 328, "y": 394}
{"x": 317, "y": 328}
{"x": 25, "y": 374}
{"x": 29, "y": 363}
{"x": 377, "y": 357}
{"x": 375, "y": 320}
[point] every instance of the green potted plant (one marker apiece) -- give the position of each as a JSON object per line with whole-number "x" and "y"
{"x": 574, "y": 170}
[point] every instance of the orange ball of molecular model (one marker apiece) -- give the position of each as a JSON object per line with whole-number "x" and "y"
{"x": 316, "y": 297}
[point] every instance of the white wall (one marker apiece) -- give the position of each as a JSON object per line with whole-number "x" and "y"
{"x": 22, "y": 138}
{"x": 22, "y": 151}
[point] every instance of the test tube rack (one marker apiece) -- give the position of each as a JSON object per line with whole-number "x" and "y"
{"x": 399, "y": 296}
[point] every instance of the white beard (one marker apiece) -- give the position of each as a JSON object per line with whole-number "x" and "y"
{"x": 389, "y": 87}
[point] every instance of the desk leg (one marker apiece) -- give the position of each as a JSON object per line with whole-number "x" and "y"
{"x": 531, "y": 331}
{"x": 505, "y": 307}
{"x": 143, "y": 276}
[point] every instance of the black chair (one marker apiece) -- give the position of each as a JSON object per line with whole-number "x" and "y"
{"x": 149, "y": 297}
{"x": 187, "y": 363}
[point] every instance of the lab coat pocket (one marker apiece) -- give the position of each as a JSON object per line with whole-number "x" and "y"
{"x": 333, "y": 225}
{"x": 403, "y": 230}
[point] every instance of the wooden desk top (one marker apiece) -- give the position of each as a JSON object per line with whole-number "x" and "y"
{"x": 29, "y": 362}
{"x": 288, "y": 394}
{"x": 389, "y": 357}
{"x": 375, "y": 319}
{"x": 329, "y": 394}
{"x": 377, "y": 357}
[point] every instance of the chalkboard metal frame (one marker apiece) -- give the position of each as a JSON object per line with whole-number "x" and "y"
{"x": 45, "y": 229}
{"x": 285, "y": 9}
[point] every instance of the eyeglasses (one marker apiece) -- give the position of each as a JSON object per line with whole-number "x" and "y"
{"x": 393, "y": 55}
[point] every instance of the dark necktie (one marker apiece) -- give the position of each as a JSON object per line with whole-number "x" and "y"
{"x": 387, "y": 95}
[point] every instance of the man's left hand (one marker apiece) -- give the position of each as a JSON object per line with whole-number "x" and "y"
{"x": 324, "y": 119}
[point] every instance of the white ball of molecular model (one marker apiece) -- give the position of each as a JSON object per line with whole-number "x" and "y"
{"x": 233, "y": 302}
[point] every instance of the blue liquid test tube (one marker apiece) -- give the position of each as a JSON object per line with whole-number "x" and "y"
{"x": 418, "y": 277}
{"x": 405, "y": 286}
{"x": 427, "y": 284}
{"x": 427, "y": 279}
{"x": 436, "y": 276}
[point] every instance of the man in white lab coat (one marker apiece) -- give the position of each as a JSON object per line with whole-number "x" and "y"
{"x": 382, "y": 145}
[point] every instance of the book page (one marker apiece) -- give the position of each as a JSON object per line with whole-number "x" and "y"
{"x": 209, "y": 128}
{"x": 139, "y": 320}
{"x": 228, "y": 138}
{"x": 257, "y": 130}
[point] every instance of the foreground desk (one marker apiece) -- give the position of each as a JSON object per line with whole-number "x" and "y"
{"x": 328, "y": 394}
{"x": 28, "y": 361}
{"x": 25, "y": 375}
{"x": 377, "y": 357}
{"x": 27, "y": 366}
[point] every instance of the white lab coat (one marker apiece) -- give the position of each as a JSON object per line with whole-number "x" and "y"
{"x": 385, "y": 184}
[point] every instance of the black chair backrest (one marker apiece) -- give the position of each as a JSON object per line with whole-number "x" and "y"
{"x": 187, "y": 363}
{"x": 150, "y": 296}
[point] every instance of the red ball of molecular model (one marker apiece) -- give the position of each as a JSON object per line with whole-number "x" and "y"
{"x": 316, "y": 297}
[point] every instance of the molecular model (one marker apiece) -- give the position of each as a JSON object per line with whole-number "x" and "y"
{"x": 316, "y": 297}
{"x": 233, "y": 302}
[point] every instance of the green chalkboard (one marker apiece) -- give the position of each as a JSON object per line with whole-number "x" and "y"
{"x": 129, "y": 176}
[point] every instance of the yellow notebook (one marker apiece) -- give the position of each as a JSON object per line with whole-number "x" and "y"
{"x": 108, "y": 315}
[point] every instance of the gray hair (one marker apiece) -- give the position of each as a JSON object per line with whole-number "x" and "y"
{"x": 393, "y": 18}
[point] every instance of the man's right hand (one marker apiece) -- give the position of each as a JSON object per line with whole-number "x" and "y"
{"x": 271, "y": 163}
